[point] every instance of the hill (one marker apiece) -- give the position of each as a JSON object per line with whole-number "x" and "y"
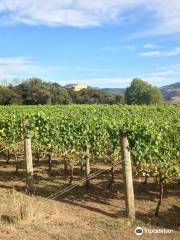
{"x": 114, "y": 91}
{"x": 171, "y": 91}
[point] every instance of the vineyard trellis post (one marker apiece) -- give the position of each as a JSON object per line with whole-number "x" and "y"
{"x": 50, "y": 161}
{"x": 87, "y": 168}
{"x": 127, "y": 175}
{"x": 28, "y": 159}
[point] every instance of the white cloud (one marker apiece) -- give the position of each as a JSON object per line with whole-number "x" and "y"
{"x": 151, "y": 54}
{"x": 173, "y": 52}
{"x": 167, "y": 14}
{"x": 83, "y": 13}
{"x": 19, "y": 67}
{"x": 165, "y": 19}
{"x": 16, "y": 61}
{"x": 78, "y": 13}
{"x": 163, "y": 75}
{"x": 150, "y": 45}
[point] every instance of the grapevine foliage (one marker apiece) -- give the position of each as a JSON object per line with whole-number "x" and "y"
{"x": 153, "y": 131}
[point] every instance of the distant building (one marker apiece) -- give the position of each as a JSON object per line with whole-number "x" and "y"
{"x": 76, "y": 87}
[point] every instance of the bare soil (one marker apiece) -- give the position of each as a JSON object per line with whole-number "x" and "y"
{"x": 96, "y": 214}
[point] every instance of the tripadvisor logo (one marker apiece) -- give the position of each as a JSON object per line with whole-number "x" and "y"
{"x": 139, "y": 231}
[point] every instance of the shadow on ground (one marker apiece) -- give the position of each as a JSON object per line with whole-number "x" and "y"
{"x": 99, "y": 198}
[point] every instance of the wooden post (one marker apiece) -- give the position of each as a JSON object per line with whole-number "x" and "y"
{"x": 16, "y": 161}
{"x": 112, "y": 177}
{"x": 28, "y": 160}
{"x": 38, "y": 154}
{"x": 127, "y": 174}
{"x": 8, "y": 156}
{"x": 29, "y": 165}
{"x": 161, "y": 191}
{"x": 87, "y": 167}
{"x": 50, "y": 161}
{"x": 65, "y": 164}
{"x": 81, "y": 168}
{"x": 72, "y": 174}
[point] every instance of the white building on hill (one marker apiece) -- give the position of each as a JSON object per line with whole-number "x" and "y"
{"x": 76, "y": 87}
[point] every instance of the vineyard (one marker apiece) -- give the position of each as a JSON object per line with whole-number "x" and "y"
{"x": 84, "y": 135}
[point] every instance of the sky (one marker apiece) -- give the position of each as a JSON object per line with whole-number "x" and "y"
{"x": 100, "y": 43}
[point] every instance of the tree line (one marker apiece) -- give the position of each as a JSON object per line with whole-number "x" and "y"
{"x": 35, "y": 91}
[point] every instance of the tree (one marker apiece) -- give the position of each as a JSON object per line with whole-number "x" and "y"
{"x": 8, "y": 96}
{"x": 141, "y": 92}
{"x": 59, "y": 94}
{"x": 35, "y": 91}
{"x": 93, "y": 96}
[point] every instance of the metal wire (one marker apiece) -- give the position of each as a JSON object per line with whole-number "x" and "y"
{"x": 69, "y": 188}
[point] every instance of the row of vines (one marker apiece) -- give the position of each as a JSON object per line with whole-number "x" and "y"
{"x": 73, "y": 132}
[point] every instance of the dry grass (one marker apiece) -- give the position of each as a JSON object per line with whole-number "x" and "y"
{"x": 79, "y": 215}
{"x": 15, "y": 207}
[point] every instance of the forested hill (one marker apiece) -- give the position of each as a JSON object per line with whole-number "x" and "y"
{"x": 36, "y": 91}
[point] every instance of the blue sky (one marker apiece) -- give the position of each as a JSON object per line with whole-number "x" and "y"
{"x": 102, "y": 43}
